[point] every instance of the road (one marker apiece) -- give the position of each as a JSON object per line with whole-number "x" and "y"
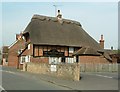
{"x": 12, "y": 80}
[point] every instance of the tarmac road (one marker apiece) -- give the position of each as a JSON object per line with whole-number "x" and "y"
{"x": 13, "y": 79}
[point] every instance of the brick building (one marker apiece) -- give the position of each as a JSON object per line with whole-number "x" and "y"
{"x": 58, "y": 40}
{"x": 14, "y": 50}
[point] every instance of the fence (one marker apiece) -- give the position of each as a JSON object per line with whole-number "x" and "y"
{"x": 98, "y": 67}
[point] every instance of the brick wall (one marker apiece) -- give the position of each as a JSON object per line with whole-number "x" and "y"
{"x": 92, "y": 59}
{"x": 66, "y": 71}
{"x": 96, "y": 64}
{"x": 13, "y": 53}
{"x": 40, "y": 59}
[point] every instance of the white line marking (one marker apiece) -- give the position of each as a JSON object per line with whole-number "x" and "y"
{"x": 103, "y": 76}
{"x": 8, "y": 72}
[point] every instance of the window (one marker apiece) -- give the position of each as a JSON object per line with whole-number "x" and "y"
{"x": 28, "y": 46}
{"x": 71, "y": 49}
{"x": 22, "y": 59}
{"x": 38, "y": 50}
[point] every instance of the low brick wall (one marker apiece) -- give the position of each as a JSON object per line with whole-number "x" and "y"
{"x": 66, "y": 71}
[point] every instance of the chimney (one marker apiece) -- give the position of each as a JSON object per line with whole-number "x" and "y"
{"x": 101, "y": 42}
{"x": 111, "y": 47}
{"x": 18, "y": 36}
{"x": 59, "y": 16}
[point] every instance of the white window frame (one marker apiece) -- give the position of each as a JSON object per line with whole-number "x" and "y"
{"x": 27, "y": 58}
{"x": 22, "y": 59}
{"x": 71, "y": 50}
{"x": 28, "y": 46}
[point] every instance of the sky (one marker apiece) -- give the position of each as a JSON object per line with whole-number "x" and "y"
{"x": 95, "y": 17}
{"x": 119, "y": 26}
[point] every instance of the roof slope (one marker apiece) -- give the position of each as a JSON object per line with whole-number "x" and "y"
{"x": 86, "y": 51}
{"x": 49, "y": 31}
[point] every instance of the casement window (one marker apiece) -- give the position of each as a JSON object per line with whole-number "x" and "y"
{"x": 37, "y": 51}
{"x": 22, "y": 59}
{"x": 71, "y": 49}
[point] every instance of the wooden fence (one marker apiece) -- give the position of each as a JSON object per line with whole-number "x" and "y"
{"x": 98, "y": 67}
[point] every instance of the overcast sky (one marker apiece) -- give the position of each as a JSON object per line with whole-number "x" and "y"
{"x": 95, "y": 17}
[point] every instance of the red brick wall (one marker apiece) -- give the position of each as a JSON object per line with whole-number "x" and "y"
{"x": 40, "y": 59}
{"x": 114, "y": 58}
{"x": 92, "y": 59}
{"x": 13, "y": 53}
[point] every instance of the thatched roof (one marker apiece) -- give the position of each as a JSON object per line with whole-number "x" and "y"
{"x": 93, "y": 52}
{"x": 49, "y": 31}
{"x": 44, "y": 30}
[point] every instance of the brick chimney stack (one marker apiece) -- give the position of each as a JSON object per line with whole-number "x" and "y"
{"x": 102, "y": 42}
{"x": 59, "y": 16}
{"x": 18, "y": 36}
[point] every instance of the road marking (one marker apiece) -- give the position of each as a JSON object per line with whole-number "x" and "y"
{"x": 1, "y": 88}
{"x": 8, "y": 72}
{"x": 103, "y": 76}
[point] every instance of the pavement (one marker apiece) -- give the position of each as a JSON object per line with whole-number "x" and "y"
{"x": 88, "y": 81}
